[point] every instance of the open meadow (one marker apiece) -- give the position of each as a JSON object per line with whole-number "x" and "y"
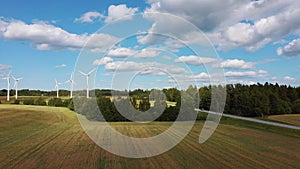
{"x": 49, "y": 137}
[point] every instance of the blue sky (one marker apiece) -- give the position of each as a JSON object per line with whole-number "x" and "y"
{"x": 256, "y": 41}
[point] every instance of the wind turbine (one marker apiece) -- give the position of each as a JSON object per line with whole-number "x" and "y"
{"x": 16, "y": 85}
{"x": 8, "y": 84}
{"x": 57, "y": 88}
{"x": 71, "y": 82}
{"x": 87, "y": 75}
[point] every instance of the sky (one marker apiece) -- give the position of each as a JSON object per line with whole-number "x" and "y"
{"x": 149, "y": 44}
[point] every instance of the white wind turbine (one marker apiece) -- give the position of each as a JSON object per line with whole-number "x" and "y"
{"x": 87, "y": 75}
{"x": 57, "y": 88}
{"x": 71, "y": 82}
{"x": 8, "y": 84}
{"x": 16, "y": 85}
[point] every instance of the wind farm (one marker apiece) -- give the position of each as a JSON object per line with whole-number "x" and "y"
{"x": 233, "y": 130}
{"x": 149, "y": 84}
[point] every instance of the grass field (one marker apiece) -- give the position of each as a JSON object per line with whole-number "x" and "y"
{"x": 49, "y": 137}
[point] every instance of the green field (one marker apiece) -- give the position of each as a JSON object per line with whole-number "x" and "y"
{"x": 49, "y": 137}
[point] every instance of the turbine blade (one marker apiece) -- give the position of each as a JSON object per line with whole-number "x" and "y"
{"x": 91, "y": 71}
{"x": 83, "y": 73}
{"x": 13, "y": 77}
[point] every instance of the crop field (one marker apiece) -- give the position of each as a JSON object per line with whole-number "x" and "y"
{"x": 293, "y": 119}
{"x": 49, "y": 137}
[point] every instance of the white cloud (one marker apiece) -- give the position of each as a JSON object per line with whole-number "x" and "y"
{"x": 246, "y": 74}
{"x": 89, "y": 17}
{"x": 60, "y": 66}
{"x": 195, "y": 60}
{"x": 263, "y": 31}
{"x": 201, "y": 76}
{"x": 235, "y": 64}
{"x": 266, "y": 20}
{"x": 290, "y": 79}
{"x": 5, "y": 67}
{"x": 122, "y": 52}
{"x": 235, "y": 81}
{"x": 48, "y": 37}
{"x": 102, "y": 61}
{"x": 146, "y": 53}
{"x": 292, "y": 49}
{"x": 145, "y": 67}
{"x": 119, "y": 12}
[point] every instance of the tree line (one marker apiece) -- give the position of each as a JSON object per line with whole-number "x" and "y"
{"x": 255, "y": 100}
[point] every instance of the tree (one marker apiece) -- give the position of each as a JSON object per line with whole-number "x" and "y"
{"x": 205, "y": 98}
{"x": 296, "y": 107}
{"x": 144, "y": 105}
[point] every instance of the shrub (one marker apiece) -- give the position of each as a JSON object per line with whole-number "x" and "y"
{"x": 67, "y": 102}
{"x": 56, "y": 102}
{"x": 28, "y": 102}
{"x": 16, "y": 102}
{"x": 71, "y": 105}
{"x": 40, "y": 102}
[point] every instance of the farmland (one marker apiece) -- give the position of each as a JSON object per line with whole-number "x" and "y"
{"x": 293, "y": 119}
{"x": 50, "y": 137}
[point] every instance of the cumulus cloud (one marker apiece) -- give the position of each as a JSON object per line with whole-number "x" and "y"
{"x": 5, "y": 67}
{"x": 119, "y": 12}
{"x": 292, "y": 49}
{"x": 153, "y": 68}
{"x": 45, "y": 36}
{"x": 267, "y": 20}
{"x": 200, "y": 76}
{"x": 146, "y": 53}
{"x": 102, "y": 61}
{"x": 263, "y": 31}
{"x": 235, "y": 64}
{"x": 89, "y": 17}
{"x": 60, "y": 66}
{"x": 122, "y": 52}
{"x": 246, "y": 74}
{"x": 195, "y": 60}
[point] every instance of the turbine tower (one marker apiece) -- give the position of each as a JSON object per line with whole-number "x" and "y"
{"x": 71, "y": 82}
{"x": 57, "y": 88}
{"x": 87, "y": 75}
{"x": 8, "y": 84}
{"x": 16, "y": 85}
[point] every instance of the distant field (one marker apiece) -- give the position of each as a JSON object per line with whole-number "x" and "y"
{"x": 293, "y": 119}
{"x": 49, "y": 137}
